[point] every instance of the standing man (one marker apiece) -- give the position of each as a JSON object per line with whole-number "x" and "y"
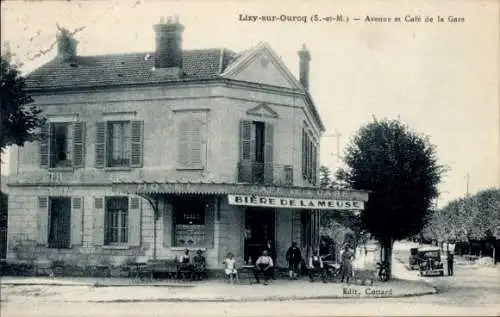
{"x": 293, "y": 257}
{"x": 450, "y": 263}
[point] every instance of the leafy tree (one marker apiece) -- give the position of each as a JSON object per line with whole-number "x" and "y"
{"x": 325, "y": 177}
{"x": 467, "y": 218}
{"x": 20, "y": 121}
{"x": 399, "y": 167}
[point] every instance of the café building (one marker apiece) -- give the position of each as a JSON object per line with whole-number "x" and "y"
{"x": 146, "y": 154}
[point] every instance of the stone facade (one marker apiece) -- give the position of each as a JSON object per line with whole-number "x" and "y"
{"x": 260, "y": 91}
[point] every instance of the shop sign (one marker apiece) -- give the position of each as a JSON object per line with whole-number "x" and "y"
{"x": 294, "y": 203}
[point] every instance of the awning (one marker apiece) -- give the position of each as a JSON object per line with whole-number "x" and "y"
{"x": 212, "y": 188}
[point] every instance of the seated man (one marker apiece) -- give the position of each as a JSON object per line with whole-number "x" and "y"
{"x": 264, "y": 264}
{"x": 316, "y": 266}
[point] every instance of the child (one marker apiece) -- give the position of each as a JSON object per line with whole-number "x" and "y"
{"x": 230, "y": 267}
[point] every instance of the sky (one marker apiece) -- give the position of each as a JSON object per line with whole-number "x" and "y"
{"x": 441, "y": 79}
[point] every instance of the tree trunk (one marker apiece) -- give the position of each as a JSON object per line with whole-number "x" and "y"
{"x": 386, "y": 250}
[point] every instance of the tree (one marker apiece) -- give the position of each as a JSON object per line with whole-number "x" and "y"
{"x": 467, "y": 218}
{"x": 399, "y": 167}
{"x": 325, "y": 177}
{"x": 20, "y": 121}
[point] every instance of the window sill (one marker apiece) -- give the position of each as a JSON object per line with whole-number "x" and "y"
{"x": 61, "y": 169}
{"x": 204, "y": 249}
{"x": 115, "y": 247}
{"x": 117, "y": 169}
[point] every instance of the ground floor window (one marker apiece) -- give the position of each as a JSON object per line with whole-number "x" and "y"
{"x": 59, "y": 222}
{"x": 116, "y": 220}
{"x": 189, "y": 221}
{"x": 306, "y": 228}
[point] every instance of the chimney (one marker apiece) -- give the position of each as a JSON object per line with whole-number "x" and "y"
{"x": 305, "y": 58}
{"x": 168, "y": 55}
{"x": 66, "y": 45}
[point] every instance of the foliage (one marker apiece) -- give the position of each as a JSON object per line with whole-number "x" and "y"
{"x": 20, "y": 121}
{"x": 399, "y": 167}
{"x": 325, "y": 177}
{"x": 464, "y": 219}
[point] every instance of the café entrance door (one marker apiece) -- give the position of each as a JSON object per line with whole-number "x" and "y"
{"x": 259, "y": 228}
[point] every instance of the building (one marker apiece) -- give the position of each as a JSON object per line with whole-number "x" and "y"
{"x": 147, "y": 154}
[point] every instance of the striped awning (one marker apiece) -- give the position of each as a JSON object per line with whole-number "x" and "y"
{"x": 179, "y": 188}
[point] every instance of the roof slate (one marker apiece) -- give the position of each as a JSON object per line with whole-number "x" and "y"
{"x": 125, "y": 69}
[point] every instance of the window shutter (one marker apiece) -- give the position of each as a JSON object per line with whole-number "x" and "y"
{"x": 43, "y": 220}
{"x": 196, "y": 143}
{"x": 134, "y": 221}
{"x": 45, "y": 146}
{"x": 246, "y": 153}
{"x": 304, "y": 151}
{"x": 76, "y": 221}
{"x": 314, "y": 164}
{"x": 79, "y": 144}
{"x": 100, "y": 144}
{"x": 183, "y": 156}
{"x": 268, "y": 153}
{"x": 98, "y": 221}
{"x": 209, "y": 222}
{"x": 136, "y": 152}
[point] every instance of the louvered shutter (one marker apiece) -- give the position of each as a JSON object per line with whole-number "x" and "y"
{"x": 43, "y": 220}
{"x": 98, "y": 229}
{"x": 79, "y": 144}
{"x": 314, "y": 163}
{"x": 100, "y": 144}
{"x": 247, "y": 143}
{"x": 268, "y": 153}
{"x": 134, "y": 221}
{"x": 247, "y": 151}
{"x": 209, "y": 222}
{"x": 45, "y": 146}
{"x": 304, "y": 151}
{"x": 136, "y": 151}
{"x": 183, "y": 155}
{"x": 76, "y": 221}
{"x": 196, "y": 143}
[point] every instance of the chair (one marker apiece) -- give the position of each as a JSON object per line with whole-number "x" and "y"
{"x": 184, "y": 271}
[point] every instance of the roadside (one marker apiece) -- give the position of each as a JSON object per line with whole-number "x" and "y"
{"x": 471, "y": 283}
{"x": 115, "y": 290}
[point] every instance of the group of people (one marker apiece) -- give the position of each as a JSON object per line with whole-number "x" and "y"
{"x": 197, "y": 267}
{"x": 264, "y": 265}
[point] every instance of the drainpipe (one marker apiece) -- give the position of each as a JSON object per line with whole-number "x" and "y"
{"x": 156, "y": 217}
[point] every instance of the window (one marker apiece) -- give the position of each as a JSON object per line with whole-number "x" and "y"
{"x": 119, "y": 144}
{"x": 116, "y": 220}
{"x": 190, "y": 223}
{"x": 306, "y": 228}
{"x": 256, "y": 152}
{"x": 118, "y": 141}
{"x": 309, "y": 158}
{"x": 61, "y": 142}
{"x": 62, "y": 145}
{"x": 59, "y": 222}
{"x": 191, "y": 140}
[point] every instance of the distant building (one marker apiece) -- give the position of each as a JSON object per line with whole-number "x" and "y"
{"x": 151, "y": 153}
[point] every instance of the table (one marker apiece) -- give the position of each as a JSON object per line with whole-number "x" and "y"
{"x": 246, "y": 271}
